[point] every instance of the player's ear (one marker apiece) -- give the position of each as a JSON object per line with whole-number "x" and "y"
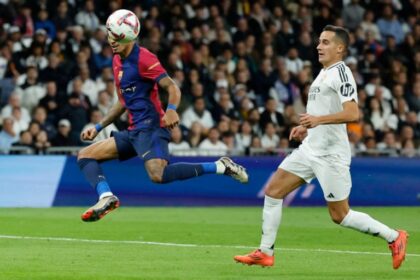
{"x": 340, "y": 48}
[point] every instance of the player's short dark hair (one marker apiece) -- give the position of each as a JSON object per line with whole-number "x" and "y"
{"x": 341, "y": 33}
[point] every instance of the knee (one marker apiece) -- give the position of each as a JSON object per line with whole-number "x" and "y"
{"x": 274, "y": 192}
{"x": 82, "y": 154}
{"x": 156, "y": 176}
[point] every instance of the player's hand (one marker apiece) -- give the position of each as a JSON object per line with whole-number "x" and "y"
{"x": 170, "y": 119}
{"x": 308, "y": 121}
{"x": 89, "y": 134}
{"x": 298, "y": 133}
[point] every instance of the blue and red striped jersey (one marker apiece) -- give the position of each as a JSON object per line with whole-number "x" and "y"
{"x": 136, "y": 79}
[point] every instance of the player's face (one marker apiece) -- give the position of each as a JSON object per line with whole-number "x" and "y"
{"x": 118, "y": 48}
{"x": 329, "y": 49}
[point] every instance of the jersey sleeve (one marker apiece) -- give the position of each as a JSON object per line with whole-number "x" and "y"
{"x": 344, "y": 84}
{"x": 150, "y": 67}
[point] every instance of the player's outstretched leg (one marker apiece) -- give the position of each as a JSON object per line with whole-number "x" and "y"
{"x": 233, "y": 169}
{"x": 398, "y": 248}
{"x": 101, "y": 208}
{"x": 183, "y": 170}
{"x": 255, "y": 258}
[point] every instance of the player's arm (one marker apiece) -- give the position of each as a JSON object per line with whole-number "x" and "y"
{"x": 171, "y": 118}
{"x": 350, "y": 113}
{"x": 114, "y": 113}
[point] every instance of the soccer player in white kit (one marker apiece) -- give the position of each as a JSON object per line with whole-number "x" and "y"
{"x": 324, "y": 154}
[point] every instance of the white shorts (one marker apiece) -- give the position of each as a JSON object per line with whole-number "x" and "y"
{"x": 332, "y": 173}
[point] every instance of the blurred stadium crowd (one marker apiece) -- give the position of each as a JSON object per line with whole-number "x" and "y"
{"x": 244, "y": 68}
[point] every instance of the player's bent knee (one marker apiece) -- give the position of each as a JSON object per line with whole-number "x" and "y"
{"x": 156, "y": 178}
{"x": 274, "y": 192}
{"x": 82, "y": 154}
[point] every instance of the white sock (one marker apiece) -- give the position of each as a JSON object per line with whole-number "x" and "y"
{"x": 365, "y": 223}
{"x": 105, "y": 194}
{"x": 220, "y": 167}
{"x": 270, "y": 224}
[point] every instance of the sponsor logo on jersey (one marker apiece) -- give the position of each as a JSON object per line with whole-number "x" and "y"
{"x": 128, "y": 89}
{"x": 313, "y": 91}
{"x": 346, "y": 90}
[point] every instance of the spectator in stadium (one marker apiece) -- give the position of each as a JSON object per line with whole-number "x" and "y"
{"x": 254, "y": 119}
{"x": 178, "y": 146}
{"x": 368, "y": 25}
{"x": 224, "y": 108}
{"x": 263, "y": 80}
{"x": 271, "y": 115}
{"x": 44, "y": 23}
{"x": 14, "y": 102}
{"x": 389, "y": 145}
{"x": 19, "y": 124}
{"x": 148, "y": 133}
{"x": 389, "y": 24}
{"x": 25, "y": 140}
{"x": 244, "y": 137}
{"x": 408, "y": 148}
{"x": 212, "y": 146}
{"x": 76, "y": 111}
{"x": 98, "y": 41}
{"x": 270, "y": 140}
{"x": 323, "y": 140}
{"x": 15, "y": 40}
{"x": 62, "y": 18}
{"x": 352, "y": 15}
{"x": 87, "y": 17}
{"x": 40, "y": 115}
{"x": 41, "y": 142}
{"x": 34, "y": 128}
{"x": 104, "y": 102}
{"x": 7, "y": 135}
{"x": 195, "y": 134}
{"x": 197, "y": 112}
{"x": 51, "y": 101}
{"x": 228, "y": 138}
{"x": 64, "y": 136}
{"x": 411, "y": 119}
{"x": 24, "y": 20}
{"x": 37, "y": 57}
{"x": 31, "y": 91}
{"x": 54, "y": 71}
{"x": 413, "y": 97}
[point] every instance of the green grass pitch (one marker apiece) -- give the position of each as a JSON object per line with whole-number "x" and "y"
{"x": 196, "y": 243}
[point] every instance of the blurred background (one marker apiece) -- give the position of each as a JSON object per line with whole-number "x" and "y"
{"x": 244, "y": 68}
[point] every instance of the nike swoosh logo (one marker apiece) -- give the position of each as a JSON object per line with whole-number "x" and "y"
{"x": 145, "y": 154}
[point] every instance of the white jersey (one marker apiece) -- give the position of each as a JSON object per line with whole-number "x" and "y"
{"x": 332, "y": 87}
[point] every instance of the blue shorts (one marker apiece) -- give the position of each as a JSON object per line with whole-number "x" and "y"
{"x": 147, "y": 144}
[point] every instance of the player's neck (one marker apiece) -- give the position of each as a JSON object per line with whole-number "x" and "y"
{"x": 126, "y": 52}
{"x": 332, "y": 62}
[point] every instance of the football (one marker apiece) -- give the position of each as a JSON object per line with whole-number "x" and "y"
{"x": 123, "y": 26}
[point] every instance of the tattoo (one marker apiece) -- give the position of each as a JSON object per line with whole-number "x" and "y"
{"x": 166, "y": 82}
{"x": 114, "y": 113}
{"x": 172, "y": 89}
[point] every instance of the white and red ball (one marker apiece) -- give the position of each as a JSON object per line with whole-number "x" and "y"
{"x": 123, "y": 26}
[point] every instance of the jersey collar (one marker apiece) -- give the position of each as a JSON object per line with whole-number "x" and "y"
{"x": 335, "y": 64}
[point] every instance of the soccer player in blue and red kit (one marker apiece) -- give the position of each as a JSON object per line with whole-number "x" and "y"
{"x": 137, "y": 74}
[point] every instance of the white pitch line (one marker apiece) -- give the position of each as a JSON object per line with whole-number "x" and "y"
{"x": 66, "y": 239}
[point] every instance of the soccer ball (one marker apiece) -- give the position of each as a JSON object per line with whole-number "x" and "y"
{"x": 123, "y": 26}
